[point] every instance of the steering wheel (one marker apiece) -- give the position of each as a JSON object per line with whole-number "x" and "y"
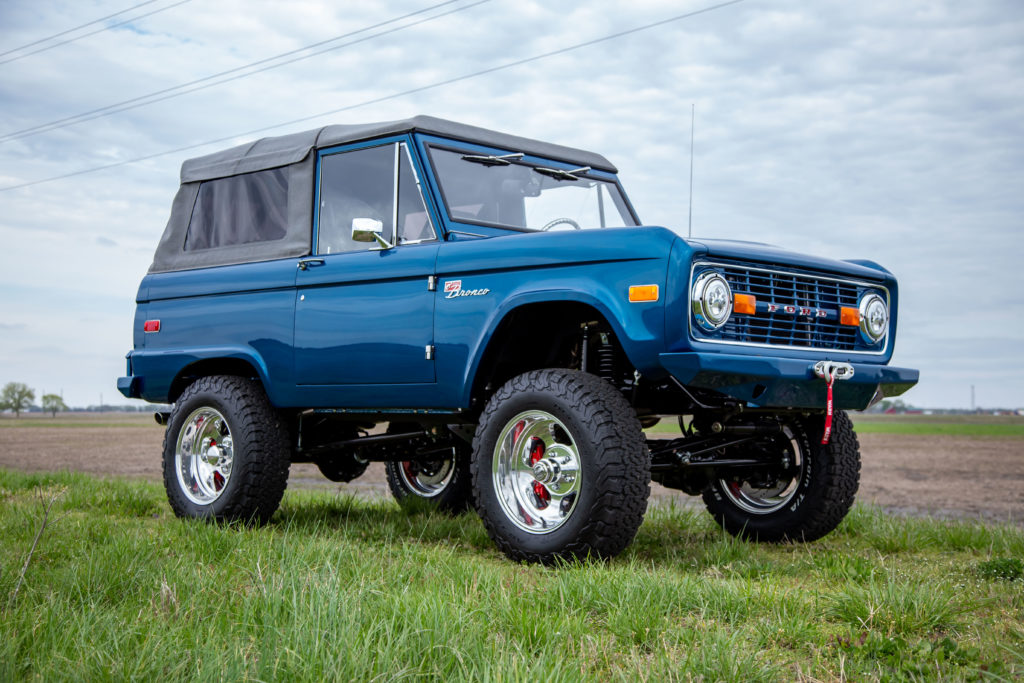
{"x": 558, "y": 221}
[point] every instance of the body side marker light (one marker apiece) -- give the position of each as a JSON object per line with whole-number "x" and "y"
{"x": 151, "y": 326}
{"x": 744, "y": 303}
{"x": 643, "y": 293}
{"x": 849, "y": 316}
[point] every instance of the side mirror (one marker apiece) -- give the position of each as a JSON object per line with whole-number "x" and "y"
{"x": 369, "y": 230}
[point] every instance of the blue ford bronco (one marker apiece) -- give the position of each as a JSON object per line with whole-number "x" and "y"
{"x": 487, "y": 315}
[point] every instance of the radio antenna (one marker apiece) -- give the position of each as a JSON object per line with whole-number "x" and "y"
{"x": 689, "y": 226}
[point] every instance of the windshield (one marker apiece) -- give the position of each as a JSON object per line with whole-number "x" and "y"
{"x": 505, "y": 192}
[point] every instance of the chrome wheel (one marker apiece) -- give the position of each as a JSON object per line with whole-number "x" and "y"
{"x": 204, "y": 455}
{"x": 426, "y": 479}
{"x": 769, "y": 494}
{"x": 536, "y": 472}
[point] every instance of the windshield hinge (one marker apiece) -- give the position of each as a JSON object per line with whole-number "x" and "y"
{"x": 561, "y": 174}
{"x": 491, "y": 159}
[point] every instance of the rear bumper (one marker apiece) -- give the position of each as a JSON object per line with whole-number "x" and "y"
{"x": 768, "y": 381}
{"x": 130, "y": 387}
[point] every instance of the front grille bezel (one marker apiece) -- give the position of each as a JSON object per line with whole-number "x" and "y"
{"x": 819, "y": 336}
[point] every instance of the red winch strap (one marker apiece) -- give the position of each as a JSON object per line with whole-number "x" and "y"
{"x": 828, "y": 409}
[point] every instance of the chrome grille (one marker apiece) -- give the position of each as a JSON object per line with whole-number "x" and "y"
{"x": 784, "y": 288}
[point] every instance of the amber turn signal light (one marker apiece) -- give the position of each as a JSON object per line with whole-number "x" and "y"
{"x": 849, "y": 316}
{"x": 744, "y": 303}
{"x": 643, "y": 293}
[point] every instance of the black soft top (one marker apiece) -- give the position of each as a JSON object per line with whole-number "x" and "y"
{"x": 292, "y": 156}
{"x": 283, "y": 150}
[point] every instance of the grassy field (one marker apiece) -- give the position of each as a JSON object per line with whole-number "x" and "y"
{"x": 999, "y": 426}
{"x": 995, "y": 426}
{"x": 337, "y": 588}
{"x": 79, "y": 420}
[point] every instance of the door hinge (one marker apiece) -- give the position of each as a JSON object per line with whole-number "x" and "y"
{"x": 430, "y": 352}
{"x": 431, "y": 283}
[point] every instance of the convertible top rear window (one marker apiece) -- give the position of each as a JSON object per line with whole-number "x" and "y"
{"x": 242, "y": 209}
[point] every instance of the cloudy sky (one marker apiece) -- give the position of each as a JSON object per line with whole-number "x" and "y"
{"x": 892, "y": 131}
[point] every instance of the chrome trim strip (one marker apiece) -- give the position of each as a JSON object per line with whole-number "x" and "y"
{"x": 818, "y": 349}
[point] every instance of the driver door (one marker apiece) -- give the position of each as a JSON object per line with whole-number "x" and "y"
{"x": 364, "y": 315}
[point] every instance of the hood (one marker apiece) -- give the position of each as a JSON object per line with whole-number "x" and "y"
{"x": 771, "y": 255}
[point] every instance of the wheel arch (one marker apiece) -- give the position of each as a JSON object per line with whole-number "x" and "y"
{"x": 561, "y": 319}
{"x": 235, "y": 365}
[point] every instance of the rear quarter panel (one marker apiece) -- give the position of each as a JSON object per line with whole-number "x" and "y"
{"x": 243, "y": 311}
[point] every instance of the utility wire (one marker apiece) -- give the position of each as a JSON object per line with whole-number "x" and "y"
{"x": 465, "y": 77}
{"x": 71, "y": 30}
{"x": 84, "y": 35}
{"x": 92, "y": 33}
{"x": 212, "y": 80}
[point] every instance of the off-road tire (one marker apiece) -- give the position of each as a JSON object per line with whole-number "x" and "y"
{"x": 614, "y": 466}
{"x": 824, "y": 496}
{"x": 454, "y": 498}
{"x": 259, "y": 472}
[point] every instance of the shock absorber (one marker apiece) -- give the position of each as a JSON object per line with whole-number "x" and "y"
{"x": 606, "y": 365}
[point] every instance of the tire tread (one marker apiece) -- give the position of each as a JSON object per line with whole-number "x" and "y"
{"x": 261, "y": 472}
{"x": 623, "y": 472}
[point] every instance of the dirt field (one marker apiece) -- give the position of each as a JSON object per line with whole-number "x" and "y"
{"x": 941, "y": 476}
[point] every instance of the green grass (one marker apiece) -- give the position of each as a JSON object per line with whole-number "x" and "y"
{"x": 1014, "y": 431}
{"x": 338, "y": 588}
{"x": 10, "y": 422}
{"x": 992, "y": 426}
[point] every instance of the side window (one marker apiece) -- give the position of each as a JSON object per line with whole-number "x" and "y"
{"x": 413, "y": 221}
{"x": 365, "y": 183}
{"x": 242, "y": 209}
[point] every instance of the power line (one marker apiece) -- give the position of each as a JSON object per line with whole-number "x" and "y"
{"x": 211, "y": 80}
{"x": 87, "y": 24}
{"x": 86, "y": 35}
{"x": 71, "y": 30}
{"x": 411, "y": 91}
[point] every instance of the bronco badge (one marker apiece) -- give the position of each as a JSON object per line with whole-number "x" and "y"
{"x": 453, "y": 290}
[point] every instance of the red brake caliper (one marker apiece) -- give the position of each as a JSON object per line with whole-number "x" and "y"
{"x": 541, "y": 495}
{"x": 218, "y": 478}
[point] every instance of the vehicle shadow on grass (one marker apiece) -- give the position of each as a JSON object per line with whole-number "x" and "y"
{"x": 380, "y": 520}
{"x": 670, "y": 537}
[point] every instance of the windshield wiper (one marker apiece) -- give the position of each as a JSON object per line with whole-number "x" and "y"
{"x": 492, "y": 160}
{"x": 559, "y": 174}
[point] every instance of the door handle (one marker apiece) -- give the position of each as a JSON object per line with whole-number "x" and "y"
{"x": 309, "y": 262}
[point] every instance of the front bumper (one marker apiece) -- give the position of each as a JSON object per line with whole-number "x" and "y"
{"x": 773, "y": 382}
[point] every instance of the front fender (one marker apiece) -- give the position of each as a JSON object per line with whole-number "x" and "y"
{"x": 639, "y": 330}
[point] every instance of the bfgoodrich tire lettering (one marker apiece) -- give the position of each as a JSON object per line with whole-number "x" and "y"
{"x": 822, "y": 494}
{"x": 247, "y": 449}
{"x": 603, "y": 500}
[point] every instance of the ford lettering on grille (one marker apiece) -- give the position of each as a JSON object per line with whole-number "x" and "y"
{"x": 794, "y": 309}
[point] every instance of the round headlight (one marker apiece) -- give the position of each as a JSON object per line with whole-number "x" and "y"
{"x": 874, "y": 318}
{"x": 711, "y": 300}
